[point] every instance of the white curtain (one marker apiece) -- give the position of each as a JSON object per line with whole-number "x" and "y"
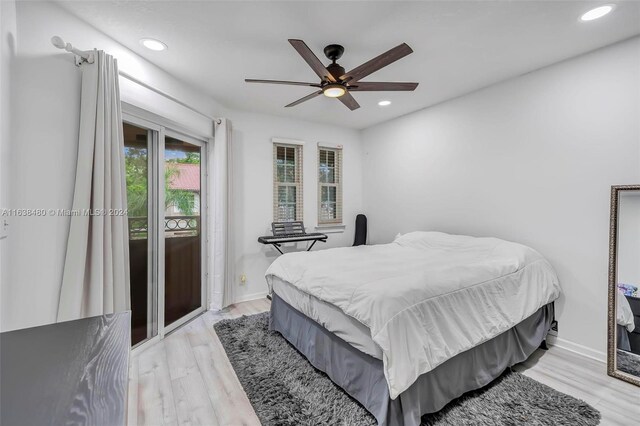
{"x": 223, "y": 271}
{"x": 96, "y": 270}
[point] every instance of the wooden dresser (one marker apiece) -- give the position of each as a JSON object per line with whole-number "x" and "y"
{"x": 72, "y": 372}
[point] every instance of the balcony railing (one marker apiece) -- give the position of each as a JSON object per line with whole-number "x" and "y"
{"x": 174, "y": 226}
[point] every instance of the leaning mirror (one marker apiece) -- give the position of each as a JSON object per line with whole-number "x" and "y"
{"x": 624, "y": 284}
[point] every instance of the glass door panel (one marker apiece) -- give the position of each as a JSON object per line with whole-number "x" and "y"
{"x": 182, "y": 229}
{"x": 137, "y": 144}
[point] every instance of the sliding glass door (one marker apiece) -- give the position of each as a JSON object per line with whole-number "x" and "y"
{"x": 183, "y": 228}
{"x": 138, "y": 142}
{"x": 167, "y": 211}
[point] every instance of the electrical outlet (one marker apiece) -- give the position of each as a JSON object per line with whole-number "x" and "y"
{"x": 243, "y": 279}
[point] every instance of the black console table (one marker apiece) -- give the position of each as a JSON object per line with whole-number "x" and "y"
{"x": 72, "y": 372}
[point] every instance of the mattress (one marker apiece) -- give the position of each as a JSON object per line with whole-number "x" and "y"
{"x": 329, "y": 316}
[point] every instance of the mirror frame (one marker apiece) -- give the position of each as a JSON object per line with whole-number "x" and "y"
{"x": 613, "y": 286}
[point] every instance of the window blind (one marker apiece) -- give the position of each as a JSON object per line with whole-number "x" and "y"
{"x": 287, "y": 182}
{"x": 329, "y": 185}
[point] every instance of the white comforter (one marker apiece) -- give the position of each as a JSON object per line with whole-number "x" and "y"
{"x": 427, "y": 296}
{"x": 624, "y": 312}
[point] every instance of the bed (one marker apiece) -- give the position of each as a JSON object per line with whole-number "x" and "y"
{"x": 406, "y": 327}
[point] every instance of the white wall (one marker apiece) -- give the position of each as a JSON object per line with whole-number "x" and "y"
{"x": 629, "y": 238}
{"x": 8, "y": 38}
{"x": 253, "y": 189}
{"x": 45, "y": 111}
{"x": 529, "y": 160}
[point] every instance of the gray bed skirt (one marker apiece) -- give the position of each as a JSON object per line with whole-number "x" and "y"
{"x": 362, "y": 376}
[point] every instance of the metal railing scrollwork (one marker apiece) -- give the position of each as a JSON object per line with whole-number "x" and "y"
{"x": 174, "y": 226}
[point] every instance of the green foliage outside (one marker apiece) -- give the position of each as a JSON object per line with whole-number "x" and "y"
{"x": 192, "y": 158}
{"x": 137, "y": 191}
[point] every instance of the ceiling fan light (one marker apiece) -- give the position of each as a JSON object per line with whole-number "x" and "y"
{"x": 334, "y": 91}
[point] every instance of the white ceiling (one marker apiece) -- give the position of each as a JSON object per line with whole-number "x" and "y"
{"x": 459, "y": 46}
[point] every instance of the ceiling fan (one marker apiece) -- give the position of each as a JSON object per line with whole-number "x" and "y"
{"x": 336, "y": 83}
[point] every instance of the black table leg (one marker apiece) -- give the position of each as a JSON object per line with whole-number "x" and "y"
{"x": 314, "y": 241}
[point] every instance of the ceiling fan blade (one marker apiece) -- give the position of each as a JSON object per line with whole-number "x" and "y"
{"x": 370, "y": 86}
{"x": 306, "y": 98}
{"x": 378, "y": 62}
{"x": 349, "y": 101}
{"x": 312, "y": 60}
{"x": 292, "y": 83}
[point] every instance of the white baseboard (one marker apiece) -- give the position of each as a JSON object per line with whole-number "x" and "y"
{"x": 577, "y": 348}
{"x": 252, "y": 296}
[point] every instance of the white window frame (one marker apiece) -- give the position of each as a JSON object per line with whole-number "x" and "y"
{"x": 338, "y": 166}
{"x": 298, "y": 175}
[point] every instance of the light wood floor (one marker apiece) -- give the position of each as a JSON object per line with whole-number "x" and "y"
{"x": 186, "y": 379}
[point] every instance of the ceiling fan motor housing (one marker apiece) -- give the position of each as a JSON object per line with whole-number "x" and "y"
{"x": 336, "y": 71}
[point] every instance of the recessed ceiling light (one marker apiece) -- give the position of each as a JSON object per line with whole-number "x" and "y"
{"x": 384, "y": 103}
{"x": 153, "y": 44}
{"x": 596, "y": 13}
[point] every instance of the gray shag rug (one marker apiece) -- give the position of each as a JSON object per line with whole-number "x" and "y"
{"x": 285, "y": 389}
{"x": 628, "y": 362}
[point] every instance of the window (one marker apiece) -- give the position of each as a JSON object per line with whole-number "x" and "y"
{"x": 287, "y": 182}
{"x": 329, "y": 185}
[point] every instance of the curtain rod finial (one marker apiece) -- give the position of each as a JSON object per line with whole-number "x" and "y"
{"x": 58, "y": 42}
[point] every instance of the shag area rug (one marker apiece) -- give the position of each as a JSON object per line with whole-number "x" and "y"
{"x": 285, "y": 389}
{"x": 628, "y": 362}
